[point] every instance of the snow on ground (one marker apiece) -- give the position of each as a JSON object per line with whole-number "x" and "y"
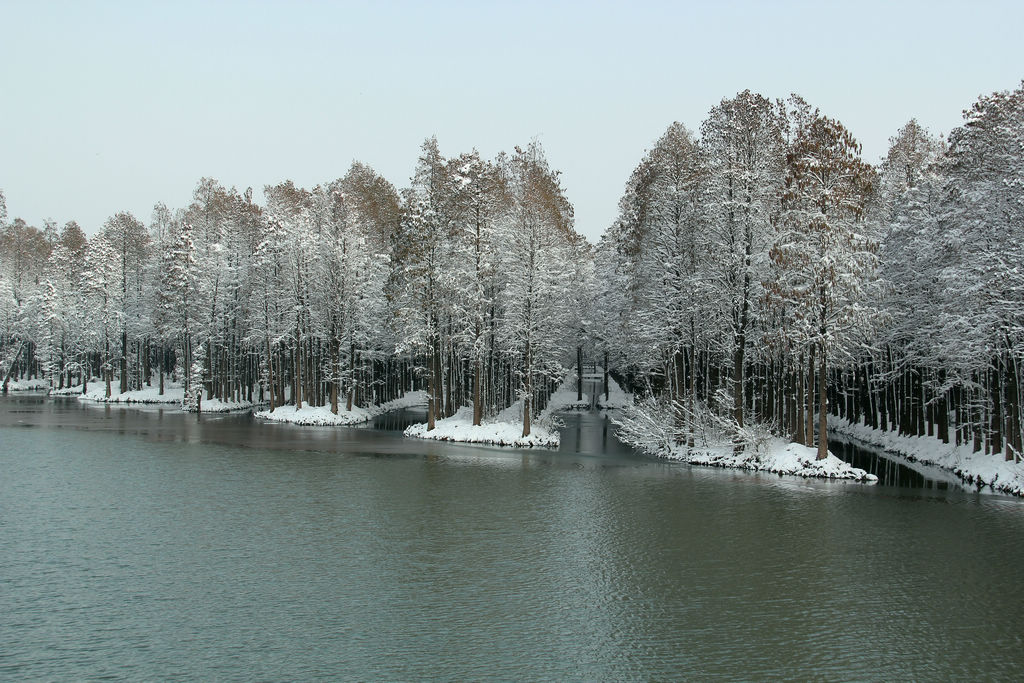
{"x": 564, "y": 397}
{"x": 506, "y": 428}
{"x": 319, "y": 415}
{"x": 70, "y": 391}
{"x": 650, "y": 427}
{"x": 412, "y": 399}
{"x": 978, "y": 469}
{"x": 173, "y": 393}
{"x": 215, "y": 405}
{"x": 27, "y": 384}
{"x": 500, "y": 431}
{"x": 779, "y": 457}
{"x": 617, "y": 398}
{"x": 322, "y": 415}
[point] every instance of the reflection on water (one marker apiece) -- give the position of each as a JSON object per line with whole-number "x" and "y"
{"x": 591, "y": 432}
{"x": 585, "y": 434}
{"x": 146, "y": 544}
{"x": 398, "y": 420}
{"x": 890, "y": 469}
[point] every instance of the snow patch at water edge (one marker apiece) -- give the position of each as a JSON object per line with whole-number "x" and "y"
{"x": 499, "y": 432}
{"x": 322, "y": 415}
{"x": 780, "y": 457}
{"x": 506, "y": 428}
{"x": 974, "y": 467}
{"x": 173, "y": 393}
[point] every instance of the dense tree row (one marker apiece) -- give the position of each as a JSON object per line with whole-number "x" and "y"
{"x": 953, "y": 220}
{"x": 779, "y": 277}
{"x": 346, "y": 293}
{"x": 760, "y": 274}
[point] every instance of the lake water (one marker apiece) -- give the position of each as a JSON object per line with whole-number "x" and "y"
{"x": 148, "y": 544}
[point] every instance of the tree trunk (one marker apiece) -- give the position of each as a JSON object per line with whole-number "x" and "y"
{"x": 996, "y": 418}
{"x": 737, "y": 388}
{"x": 124, "y": 361}
{"x": 822, "y": 410}
{"x": 919, "y": 381}
{"x": 208, "y": 371}
{"x": 352, "y": 380}
{"x": 449, "y": 406}
{"x": 106, "y": 370}
{"x": 1012, "y": 403}
{"x": 270, "y": 375}
{"x": 579, "y": 373}
{"x": 528, "y": 371}
{"x": 606, "y": 376}
{"x": 336, "y": 371}
{"x": 942, "y": 407}
{"x": 10, "y": 369}
{"x": 809, "y": 396}
{"x": 478, "y": 408}
{"x": 432, "y": 389}
{"x": 738, "y": 380}
{"x": 297, "y": 379}
{"x": 677, "y": 373}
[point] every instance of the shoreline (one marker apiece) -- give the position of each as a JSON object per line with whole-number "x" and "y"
{"x": 782, "y": 458}
{"x": 321, "y": 416}
{"x": 973, "y": 468}
{"x": 505, "y": 428}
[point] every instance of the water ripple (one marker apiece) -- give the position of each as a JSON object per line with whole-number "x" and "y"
{"x": 124, "y": 558}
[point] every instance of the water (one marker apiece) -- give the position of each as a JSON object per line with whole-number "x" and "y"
{"x": 151, "y": 544}
{"x": 891, "y": 469}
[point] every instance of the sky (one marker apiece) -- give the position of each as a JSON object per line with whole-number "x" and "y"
{"x": 110, "y": 106}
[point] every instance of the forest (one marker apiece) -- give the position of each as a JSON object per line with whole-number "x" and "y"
{"x": 761, "y": 275}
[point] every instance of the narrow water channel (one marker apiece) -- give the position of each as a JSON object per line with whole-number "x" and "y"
{"x": 148, "y": 544}
{"x": 891, "y": 469}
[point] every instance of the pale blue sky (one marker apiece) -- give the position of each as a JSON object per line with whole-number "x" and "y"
{"x": 108, "y": 107}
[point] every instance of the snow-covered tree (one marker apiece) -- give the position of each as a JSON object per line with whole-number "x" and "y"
{"x": 824, "y": 266}
{"x": 480, "y": 201}
{"x": 538, "y": 261}
{"x": 662, "y": 247}
{"x": 179, "y": 307}
{"x": 743, "y": 145}
{"x": 126, "y": 240}
{"x": 421, "y": 256}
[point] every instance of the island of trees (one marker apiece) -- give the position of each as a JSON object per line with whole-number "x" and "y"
{"x": 760, "y": 276}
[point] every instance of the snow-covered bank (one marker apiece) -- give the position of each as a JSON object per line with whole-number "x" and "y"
{"x": 316, "y": 415}
{"x": 650, "y": 427}
{"x": 173, "y": 395}
{"x": 411, "y": 399}
{"x": 506, "y": 428}
{"x": 565, "y": 396}
{"x": 75, "y": 390}
{"x": 27, "y": 384}
{"x": 616, "y": 399}
{"x": 322, "y": 415}
{"x": 498, "y": 432}
{"x": 97, "y": 392}
{"x": 215, "y": 405}
{"x": 978, "y": 469}
{"x": 779, "y": 457}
